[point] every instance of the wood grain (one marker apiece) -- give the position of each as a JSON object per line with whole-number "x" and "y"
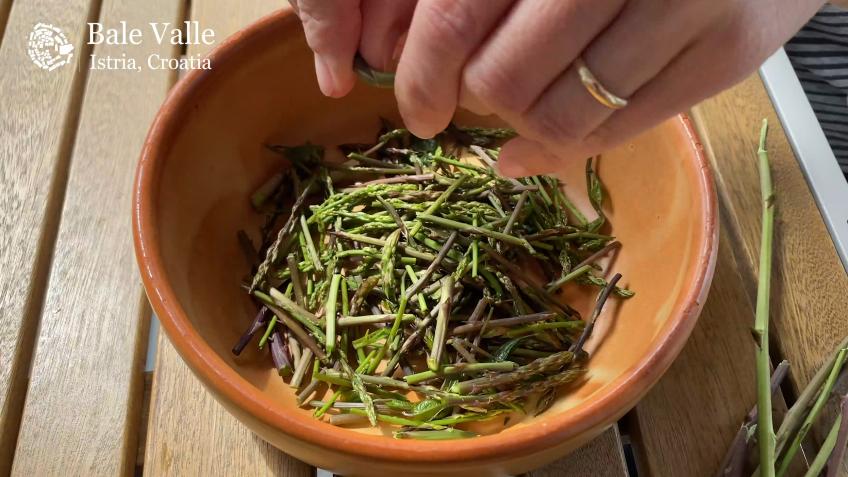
{"x": 37, "y": 125}
{"x": 83, "y": 405}
{"x": 809, "y": 284}
{"x": 144, "y": 419}
{"x": 5, "y": 7}
{"x": 690, "y": 417}
{"x": 197, "y": 436}
{"x": 602, "y": 456}
{"x": 191, "y": 434}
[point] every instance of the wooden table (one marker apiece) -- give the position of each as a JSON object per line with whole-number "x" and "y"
{"x": 74, "y": 397}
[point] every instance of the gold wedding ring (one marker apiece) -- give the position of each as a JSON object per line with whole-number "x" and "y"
{"x": 595, "y": 88}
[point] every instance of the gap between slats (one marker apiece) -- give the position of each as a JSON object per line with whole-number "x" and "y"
{"x": 87, "y": 129}
{"x": 30, "y": 322}
{"x": 5, "y": 8}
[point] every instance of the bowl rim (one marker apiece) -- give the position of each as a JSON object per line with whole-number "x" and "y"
{"x": 227, "y": 384}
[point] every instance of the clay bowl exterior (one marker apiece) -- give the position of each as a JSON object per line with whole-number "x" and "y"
{"x": 204, "y": 156}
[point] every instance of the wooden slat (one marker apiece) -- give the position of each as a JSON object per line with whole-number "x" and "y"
{"x": 144, "y": 418}
{"x": 5, "y": 6}
{"x": 809, "y": 284}
{"x": 38, "y": 106}
{"x": 689, "y": 418}
{"x": 191, "y": 434}
{"x": 83, "y": 404}
{"x": 602, "y": 456}
{"x": 197, "y": 436}
{"x": 687, "y": 421}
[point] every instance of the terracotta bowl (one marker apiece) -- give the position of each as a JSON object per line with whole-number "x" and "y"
{"x": 204, "y": 156}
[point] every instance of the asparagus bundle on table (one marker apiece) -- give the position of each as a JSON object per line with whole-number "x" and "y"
{"x": 413, "y": 285}
{"x": 778, "y": 450}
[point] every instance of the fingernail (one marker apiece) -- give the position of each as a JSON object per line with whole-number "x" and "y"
{"x": 325, "y": 77}
{"x": 417, "y": 127}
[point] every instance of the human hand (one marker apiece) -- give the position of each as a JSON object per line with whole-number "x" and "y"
{"x": 337, "y": 29}
{"x": 515, "y": 58}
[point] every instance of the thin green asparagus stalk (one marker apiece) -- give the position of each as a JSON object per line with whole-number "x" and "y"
{"x": 438, "y": 203}
{"x": 435, "y": 359}
{"x": 310, "y": 245}
{"x": 438, "y": 435}
{"x": 460, "y": 349}
{"x": 422, "y": 302}
{"x": 327, "y": 405}
{"x": 382, "y": 243}
{"x": 795, "y": 416}
{"x": 364, "y": 159}
{"x": 300, "y": 369}
{"x": 475, "y": 252}
{"x": 434, "y": 265}
{"x": 523, "y": 373}
{"x": 453, "y": 224}
{"x": 268, "y": 331}
{"x": 765, "y": 429}
{"x": 577, "y": 272}
{"x": 295, "y": 328}
{"x": 515, "y": 211}
{"x": 309, "y": 320}
{"x": 817, "y": 466}
{"x": 330, "y": 312}
{"x": 359, "y": 387}
{"x": 520, "y": 392}
{"x": 600, "y": 253}
{"x": 398, "y": 421}
{"x": 392, "y": 333}
{"x": 536, "y": 328}
{"x": 296, "y": 280}
{"x": 372, "y": 319}
{"x": 596, "y": 311}
{"x": 282, "y": 240}
{"x": 460, "y": 369}
{"x": 387, "y": 265}
{"x": 795, "y": 445}
{"x": 515, "y": 320}
{"x": 391, "y": 210}
{"x": 834, "y": 462}
{"x": 345, "y": 299}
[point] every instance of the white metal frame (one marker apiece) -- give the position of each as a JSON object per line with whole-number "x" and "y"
{"x": 826, "y": 180}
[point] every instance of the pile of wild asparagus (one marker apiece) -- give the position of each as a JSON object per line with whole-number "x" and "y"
{"x": 413, "y": 285}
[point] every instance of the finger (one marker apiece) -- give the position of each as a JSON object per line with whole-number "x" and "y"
{"x": 684, "y": 83}
{"x": 293, "y": 4}
{"x": 620, "y": 64}
{"x": 534, "y": 44}
{"x": 566, "y": 112}
{"x": 442, "y": 36}
{"x": 679, "y": 86}
{"x": 384, "y": 23}
{"x": 731, "y": 48}
{"x": 520, "y": 157}
{"x": 332, "y": 32}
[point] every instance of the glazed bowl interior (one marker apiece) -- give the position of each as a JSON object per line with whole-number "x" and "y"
{"x": 208, "y": 156}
